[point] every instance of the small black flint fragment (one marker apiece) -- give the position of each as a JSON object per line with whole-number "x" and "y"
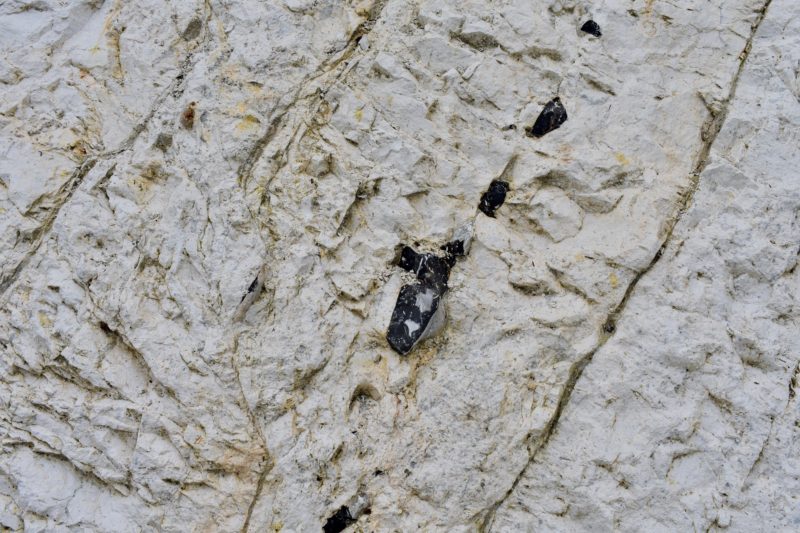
{"x": 429, "y": 268}
{"x": 250, "y": 289}
{"x": 592, "y": 28}
{"x": 551, "y": 118}
{"x": 493, "y": 198}
{"x": 339, "y": 521}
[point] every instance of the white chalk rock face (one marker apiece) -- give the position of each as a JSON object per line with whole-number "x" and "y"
{"x": 557, "y": 215}
{"x": 205, "y": 212}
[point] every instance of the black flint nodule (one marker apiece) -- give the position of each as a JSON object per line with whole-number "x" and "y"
{"x": 493, "y": 198}
{"x": 418, "y": 303}
{"x": 592, "y": 28}
{"x": 551, "y": 118}
{"x": 338, "y": 521}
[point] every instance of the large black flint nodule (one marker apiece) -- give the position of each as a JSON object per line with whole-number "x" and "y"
{"x": 418, "y": 303}
{"x": 551, "y": 118}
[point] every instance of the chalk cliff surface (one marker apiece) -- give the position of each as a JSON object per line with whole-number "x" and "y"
{"x": 203, "y": 212}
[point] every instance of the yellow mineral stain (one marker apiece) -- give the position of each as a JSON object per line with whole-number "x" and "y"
{"x": 613, "y": 280}
{"x": 622, "y": 159}
{"x": 248, "y": 123}
{"x": 359, "y": 114}
{"x": 44, "y": 320}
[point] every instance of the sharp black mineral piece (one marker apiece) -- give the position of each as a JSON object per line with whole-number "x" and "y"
{"x": 429, "y": 268}
{"x": 414, "y": 317}
{"x": 409, "y": 259}
{"x": 250, "y": 288}
{"x": 453, "y": 250}
{"x": 493, "y": 198}
{"x": 339, "y": 521}
{"x": 592, "y": 28}
{"x": 551, "y": 118}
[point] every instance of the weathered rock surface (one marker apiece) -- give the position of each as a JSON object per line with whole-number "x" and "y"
{"x": 202, "y": 211}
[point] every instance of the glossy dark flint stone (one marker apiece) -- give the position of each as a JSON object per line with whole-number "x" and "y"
{"x": 493, "y": 198}
{"x": 416, "y": 305}
{"x": 338, "y": 521}
{"x": 551, "y": 118}
{"x": 592, "y": 28}
{"x": 429, "y": 268}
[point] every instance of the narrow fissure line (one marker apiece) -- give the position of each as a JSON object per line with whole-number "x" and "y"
{"x": 66, "y": 190}
{"x": 175, "y": 88}
{"x": 710, "y": 130}
{"x": 244, "y": 172}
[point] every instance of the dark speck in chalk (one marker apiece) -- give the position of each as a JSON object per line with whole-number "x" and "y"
{"x": 510, "y": 127}
{"x": 551, "y": 118}
{"x": 250, "y": 288}
{"x": 493, "y": 198}
{"x": 592, "y": 28}
{"x": 339, "y": 521}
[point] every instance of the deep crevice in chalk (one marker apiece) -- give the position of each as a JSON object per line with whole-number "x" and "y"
{"x": 338, "y": 521}
{"x": 493, "y": 198}
{"x": 592, "y": 28}
{"x": 551, "y": 118}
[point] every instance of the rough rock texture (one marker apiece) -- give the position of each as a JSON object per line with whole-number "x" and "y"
{"x": 202, "y": 208}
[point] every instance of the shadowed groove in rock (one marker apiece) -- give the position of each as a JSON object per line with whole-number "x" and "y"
{"x": 712, "y": 128}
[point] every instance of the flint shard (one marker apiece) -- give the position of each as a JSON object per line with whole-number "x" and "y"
{"x": 592, "y": 28}
{"x": 493, "y": 198}
{"x": 416, "y": 316}
{"x": 551, "y": 118}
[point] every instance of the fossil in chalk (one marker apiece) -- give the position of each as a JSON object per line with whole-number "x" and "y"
{"x": 493, "y": 198}
{"x": 551, "y": 118}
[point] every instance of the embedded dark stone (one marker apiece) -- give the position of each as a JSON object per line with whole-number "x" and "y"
{"x": 417, "y": 313}
{"x": 592, "y": 28}
{"x": 409, "y": 259}
{"x": 429, "y": 268}
{"x": 339, "y": 521}
{"x": 453, "y": 250}
{"x": 493, "y": 198}
{"x": 416, "y": 305}
{"x": 551, "y": 118}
